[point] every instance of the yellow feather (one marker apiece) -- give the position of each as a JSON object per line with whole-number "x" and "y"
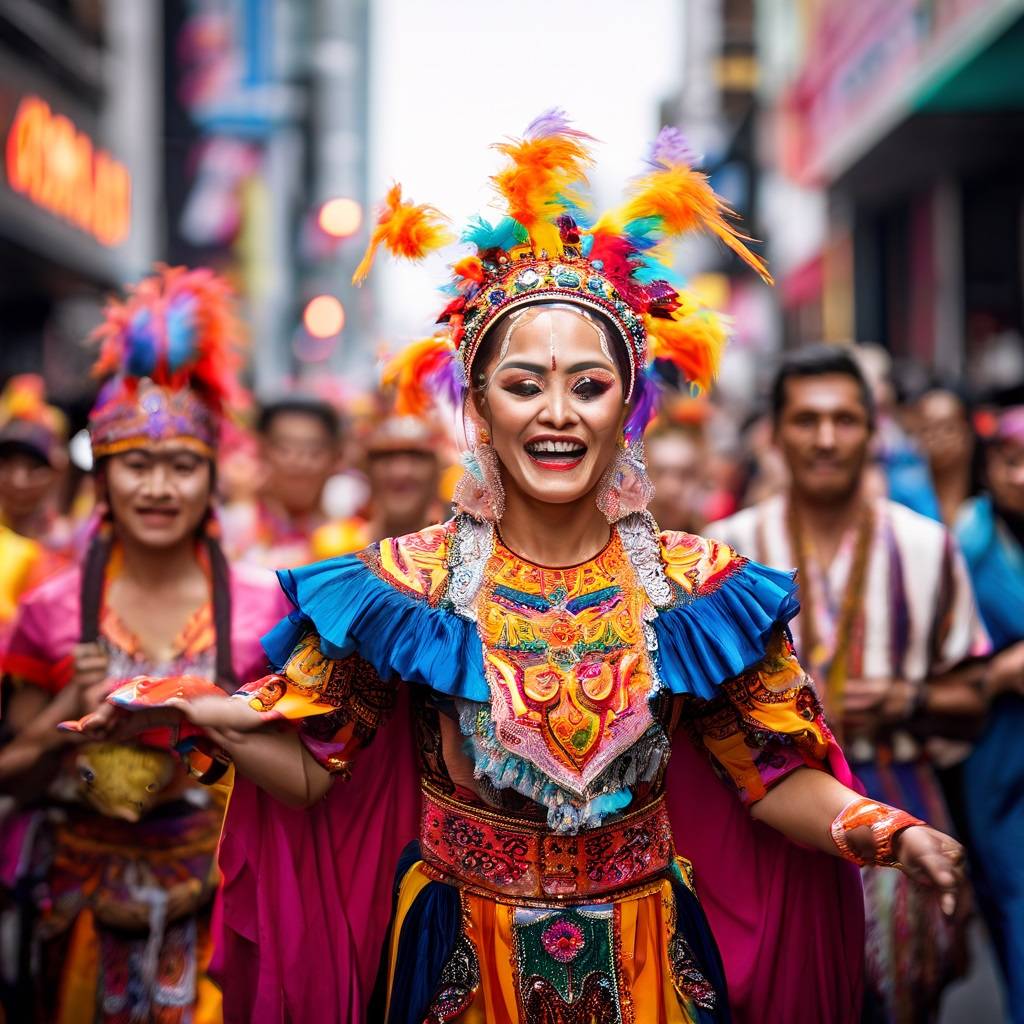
{"x": 685, "y": 201}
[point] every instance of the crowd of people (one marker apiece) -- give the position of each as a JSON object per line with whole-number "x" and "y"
{"x": 156, "y": 863}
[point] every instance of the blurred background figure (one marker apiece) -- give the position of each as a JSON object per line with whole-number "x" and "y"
{"x": 35, "y": 539}
{"x": 109, "y": 847}
{"x": 299, "y": 446}
{"x": 33, "y": 460}
{"x": 402, "y": 460}
{"x": 676, "y": 464}
{"x": 945, "y": 436}
{"x": 887, "y": 628}
{"x": 991, "y": 531}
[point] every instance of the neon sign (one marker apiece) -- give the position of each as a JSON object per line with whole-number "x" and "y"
{"x": 57, "y": 167}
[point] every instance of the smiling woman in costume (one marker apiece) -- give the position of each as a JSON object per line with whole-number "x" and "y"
{"x": 557, "y": 649}
{"x": 124, "y": 919}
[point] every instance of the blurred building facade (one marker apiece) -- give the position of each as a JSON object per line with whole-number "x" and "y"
{"x": 190, "y": 131}
{"x": 891, "y": 134}
{"x": 79, "y": 190}
{"x": 716, "y": 106}
{"x": 265, "y": 120}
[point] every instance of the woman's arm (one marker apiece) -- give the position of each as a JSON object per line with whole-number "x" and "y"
{"x": 804, "y": 805}
{"x": 275, "y": 759}
{"x": 33, "y": 714}
{"x": 264, "y": 750}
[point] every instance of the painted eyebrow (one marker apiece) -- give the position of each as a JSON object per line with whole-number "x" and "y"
{"x": 580, "y": 367}
{"x": 541, "y": 370}
{"x": 528, "y": 367}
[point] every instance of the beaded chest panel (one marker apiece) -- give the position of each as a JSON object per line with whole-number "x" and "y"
{"x": 567, "y": 663}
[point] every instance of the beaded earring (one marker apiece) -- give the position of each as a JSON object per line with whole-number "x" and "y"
{"x": 625, "y": 487}
{"x": 480, "y": 492}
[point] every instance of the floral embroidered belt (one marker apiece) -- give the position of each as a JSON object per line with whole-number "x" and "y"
{"x": 523, "y": 862}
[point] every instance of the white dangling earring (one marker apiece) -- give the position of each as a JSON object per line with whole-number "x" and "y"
{"x": 625, "y": 487}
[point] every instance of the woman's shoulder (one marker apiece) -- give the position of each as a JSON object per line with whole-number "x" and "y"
{"x": 699, "y": 565}
{"x": 60, "y": 591}
{"x": 415, "y": 564}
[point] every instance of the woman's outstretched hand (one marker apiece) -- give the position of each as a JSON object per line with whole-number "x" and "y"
{"x": 935, "y": 860}
{"x": 224, "y": 720}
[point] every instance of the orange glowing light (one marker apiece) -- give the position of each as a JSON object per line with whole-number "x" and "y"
{"x": 340, "y": 217}
{"x": 57, "y": 167}
{"x": 324, "y": 316}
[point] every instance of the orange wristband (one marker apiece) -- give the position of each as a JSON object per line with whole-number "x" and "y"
{"x": 885, "y": 823}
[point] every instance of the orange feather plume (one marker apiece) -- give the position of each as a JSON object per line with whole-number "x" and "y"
{"x": 693, "y": 338}
{"x": 685, "y": 201}
{"x": 406, "y": 230}
{"x": 545, "y": 168}
{"x": 417, "y": 374}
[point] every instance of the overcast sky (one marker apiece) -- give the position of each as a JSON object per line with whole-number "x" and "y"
{"x": 452, "y": 76}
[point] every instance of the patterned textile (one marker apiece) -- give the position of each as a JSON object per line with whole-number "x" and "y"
{"x": 586, "y": 670}
{"x": 917, "y": 618}
{"x": 523, "y": 862}
{"x": 125, "y": 913}
{"x": 646, "y": 956}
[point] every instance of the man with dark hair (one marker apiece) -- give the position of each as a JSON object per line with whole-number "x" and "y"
{"x": 888, "y": 629}
{"x": 300, "y": 442}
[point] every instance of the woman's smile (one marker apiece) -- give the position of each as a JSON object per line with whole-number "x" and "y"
{"x": 556, "y": 452}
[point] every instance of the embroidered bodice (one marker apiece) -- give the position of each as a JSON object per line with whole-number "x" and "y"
{"x": 565, "y": 683}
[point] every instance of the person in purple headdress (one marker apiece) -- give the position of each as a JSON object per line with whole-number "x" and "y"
{"x": 112, "y": 856}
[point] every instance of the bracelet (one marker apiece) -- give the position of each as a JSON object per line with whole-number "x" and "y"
{"x": 885, "y": 823}
{"x": 213, "y": 772}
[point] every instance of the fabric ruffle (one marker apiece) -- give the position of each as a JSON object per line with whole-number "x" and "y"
{"x": 354, "y": 611}
{"x": 713, "y": 637}
{"x": 610, "y": 794}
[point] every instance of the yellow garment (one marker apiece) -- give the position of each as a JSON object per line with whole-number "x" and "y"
{"x": 18, "y": 557}
{"x": 643, "y": 924}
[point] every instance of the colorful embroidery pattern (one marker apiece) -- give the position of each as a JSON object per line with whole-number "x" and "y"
{"x": 566, "y": 660}
{"x": 512, "y": 858}
{"x": 568, "y": 967}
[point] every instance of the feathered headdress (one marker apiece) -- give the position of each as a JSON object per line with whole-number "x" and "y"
{"x": 171, "y": 350}
{"x": 545, "y": 250}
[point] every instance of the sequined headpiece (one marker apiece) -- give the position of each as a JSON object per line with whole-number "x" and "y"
{"x": 170, "y": 347}
{"x": 549, "y": 249}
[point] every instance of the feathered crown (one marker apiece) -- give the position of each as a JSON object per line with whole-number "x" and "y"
{"x": 171, "y": 346}
{"x": 546, "y": 249}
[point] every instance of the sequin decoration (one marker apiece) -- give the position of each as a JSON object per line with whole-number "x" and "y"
{"x": 566, "y": 659}
{"x": 563, "y": 940}
{"x": 460, "y": 978}
{"x": 568, "y": 967}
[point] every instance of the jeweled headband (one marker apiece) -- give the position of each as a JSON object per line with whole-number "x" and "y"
{"x": 170, "y": 348}
{"x": 549, "y": 249}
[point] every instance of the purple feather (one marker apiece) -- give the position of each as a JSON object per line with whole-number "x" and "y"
{"x": 449, "y": 381}
{"x": 643, "y": 406}
{"x": 554, "y": 122}
{"x": 670, "y": 149}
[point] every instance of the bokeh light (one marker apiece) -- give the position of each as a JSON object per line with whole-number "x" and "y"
{"x": 340, "y": 217}
{"x": 324, "y": 316}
